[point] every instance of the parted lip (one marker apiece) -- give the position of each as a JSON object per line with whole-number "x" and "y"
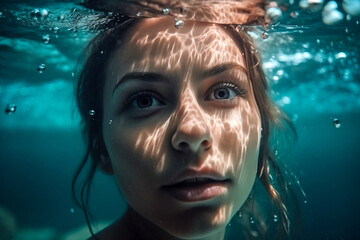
{"x": 196, "y": 175}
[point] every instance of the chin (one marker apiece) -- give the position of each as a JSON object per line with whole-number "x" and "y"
{"x": 200, "y": 225}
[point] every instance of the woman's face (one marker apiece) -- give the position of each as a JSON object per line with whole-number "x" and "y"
{"x": 181, "y": 125}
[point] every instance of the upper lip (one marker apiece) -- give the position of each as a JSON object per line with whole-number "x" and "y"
{"x": 194, "y": 174}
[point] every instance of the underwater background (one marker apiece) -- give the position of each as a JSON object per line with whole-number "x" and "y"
{"x": 311, "y": 58}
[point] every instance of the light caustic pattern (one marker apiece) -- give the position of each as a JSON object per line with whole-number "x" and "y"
{"x": 192, "y": 132}
{"x": 181, "y": 53}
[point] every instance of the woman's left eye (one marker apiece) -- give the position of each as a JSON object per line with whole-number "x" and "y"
{"x": 224, "y": 91}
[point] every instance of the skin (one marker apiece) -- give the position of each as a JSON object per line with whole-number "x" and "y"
{"x": 189, "y": 114}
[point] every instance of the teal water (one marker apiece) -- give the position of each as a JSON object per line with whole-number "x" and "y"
{"x": 313, "y": 70}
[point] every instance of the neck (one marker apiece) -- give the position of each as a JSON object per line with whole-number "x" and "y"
{"x": 139, "y": 228}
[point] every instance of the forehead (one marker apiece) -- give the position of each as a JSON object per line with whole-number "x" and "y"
{"x": 157, "y": 43}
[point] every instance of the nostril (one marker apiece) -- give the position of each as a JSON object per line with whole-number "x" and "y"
{"x": 183, "y": 145}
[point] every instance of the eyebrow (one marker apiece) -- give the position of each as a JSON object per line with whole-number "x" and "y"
{"x": 156, "y": 77}
{"x": 223, "y": 68}
{"x": 144, "y": 76}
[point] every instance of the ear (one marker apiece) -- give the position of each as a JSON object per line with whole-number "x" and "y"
{"x": 105, "y": 164}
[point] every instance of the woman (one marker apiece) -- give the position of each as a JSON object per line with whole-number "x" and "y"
{"x": 179, "y": 114}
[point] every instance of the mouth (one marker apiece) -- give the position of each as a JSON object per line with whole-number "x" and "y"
{"x": 197, "y": 189}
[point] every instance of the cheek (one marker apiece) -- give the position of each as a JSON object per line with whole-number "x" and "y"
{"x": 136, "y": 157}
{"x": 128, "y": 165}
{"x": 237, "y": 137}
{"x": 246, "y": 161}
{"x": 239, "y": 143}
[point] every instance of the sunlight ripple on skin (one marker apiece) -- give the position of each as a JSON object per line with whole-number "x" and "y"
{"x": 227, "y": 131}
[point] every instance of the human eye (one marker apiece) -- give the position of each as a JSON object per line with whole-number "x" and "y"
{"x": 225, "y": 91}
{"x": 143, "y": 101}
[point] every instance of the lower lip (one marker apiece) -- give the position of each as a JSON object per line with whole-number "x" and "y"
{"x": 198, "y": 193}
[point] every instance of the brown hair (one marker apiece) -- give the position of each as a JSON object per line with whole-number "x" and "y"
{"x": 89, "y": 98}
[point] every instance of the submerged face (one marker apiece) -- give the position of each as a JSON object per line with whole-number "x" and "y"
{"x": 181, "y": 125}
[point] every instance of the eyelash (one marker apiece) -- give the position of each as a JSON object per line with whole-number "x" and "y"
{"x": 239, "y": 91}
{"x": 130, "y": 100}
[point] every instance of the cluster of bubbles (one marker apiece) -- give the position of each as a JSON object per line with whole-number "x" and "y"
{"x": 178, "y": 23}
{"x": 252, "y": 219}
{"x": 39, "y": 14}
{"x": 330, "y": 12}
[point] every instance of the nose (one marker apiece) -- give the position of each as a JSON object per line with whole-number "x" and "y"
{"x": 192, "y": 131}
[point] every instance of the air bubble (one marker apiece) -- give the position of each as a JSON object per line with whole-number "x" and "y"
{"x": 264, "y": 35}
{"x": 294, "y": 14}
{"x": 240, "y": 28}
{"x": 35, "y": 13}
{"x": 340, "y": 55}
{"x": 165, "y": 11}
{"x": 110, "y": 122}
{"x": 10, "y": 109}
{"x": 240, "y": 215}
{"x": 276, "y": 218}
{"x": 179, "y": 23}
{"x": 330, "y": 14}
{"x": 44, "y": 13}
{"x": 41, "y": 68}
{"x": 60, "y": 18}
{"x": 55, "y": 29}
{"x": 351, "y": 7}
{"x": 138, "y": 14}
{"x": 92, "y": 112}
{"x": 312, "y": 5}
{"x": 274, "y": 13}
{"x": 252, "y": 221}
{"x": 286, "y": 100}
{"x": 337, "y": 123}
{"x": 45, "y": 39}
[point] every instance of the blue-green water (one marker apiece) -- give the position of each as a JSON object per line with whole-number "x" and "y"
{"x": 313, "y": 70}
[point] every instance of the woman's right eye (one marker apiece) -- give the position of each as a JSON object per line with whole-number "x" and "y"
{"x": 143, "y": 101}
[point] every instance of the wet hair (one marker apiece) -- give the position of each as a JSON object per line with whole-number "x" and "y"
{"x": 89, "y": 99}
